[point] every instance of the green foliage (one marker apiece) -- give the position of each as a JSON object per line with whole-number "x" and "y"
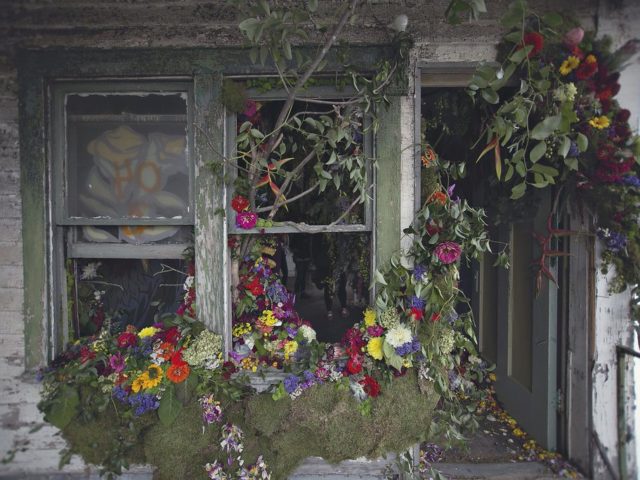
{"x": 63, "y": 407}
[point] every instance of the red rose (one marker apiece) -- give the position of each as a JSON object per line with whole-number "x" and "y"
{"x": 239, "y": 203}
{"x": 534, "y": 39}
{"x": 371, "y": 386}
{"x": 127, "y": 339}
{"x": 354, "y": 365}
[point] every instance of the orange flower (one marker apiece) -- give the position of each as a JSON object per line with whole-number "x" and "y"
{"x": 438, "y": 197}
{"x": 178, "y": 373}
{"x": 429, "y": 156}
{"x": 167, "y": 350}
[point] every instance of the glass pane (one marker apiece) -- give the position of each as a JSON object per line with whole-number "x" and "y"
{"x": 127, "y": 155}
{"x": 521, "y": 311}
{"x": 124, "y": 292}
{"x": 136, "y": 234}
{"x": 327, "y": 182}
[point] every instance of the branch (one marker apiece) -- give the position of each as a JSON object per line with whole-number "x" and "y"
{"x": 290, "y": 177}
{"x": 289, "y": 200}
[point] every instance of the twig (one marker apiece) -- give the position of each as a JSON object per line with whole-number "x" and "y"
{"x": 289, "y": 200}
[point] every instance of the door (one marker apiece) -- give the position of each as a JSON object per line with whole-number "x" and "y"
{"x": 517, "y": 329}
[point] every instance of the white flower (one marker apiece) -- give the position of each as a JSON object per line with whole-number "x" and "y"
{"x": 90, "y": 271}
{"x": 188, "y": 283}
{"x": 308, "y": 333}
{"x": 398, "y": 336}
{"x": 358, "y": 391}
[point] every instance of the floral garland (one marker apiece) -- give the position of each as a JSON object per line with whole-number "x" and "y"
{"x": 563, "y": 128}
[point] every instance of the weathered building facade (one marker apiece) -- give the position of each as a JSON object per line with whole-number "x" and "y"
{"x": 198, "y": 42}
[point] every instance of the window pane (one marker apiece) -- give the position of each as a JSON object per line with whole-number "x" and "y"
{"x": 124, "y": 292}
{"x": 328, "y": 181}
{"x": 127, "y": 156}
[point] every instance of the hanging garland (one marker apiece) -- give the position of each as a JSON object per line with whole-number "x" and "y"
{"x": 562, "y": 129}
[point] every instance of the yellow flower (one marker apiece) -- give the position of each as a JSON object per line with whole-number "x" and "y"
{"x": 147, "y": 332}
{"x": 153, "y": 376}
{"x": 369, "y": 317}
{"x": 600, "y": 122}
{"x": 267, "y": 318}
{"x": 374, "y": 348}
{"x": 570, "y": 64}
{"x": 590, "y": 59}
{"x": 241, "y": 329}
{"x": 492, "y": 377}
{"x": 290, "y": 348}
{"x": 139, "y": 382}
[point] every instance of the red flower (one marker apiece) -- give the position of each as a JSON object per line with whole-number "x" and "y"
{"x": 127, "y": 339}
{"x": 353, "y": 341}
{"x": 623, "y": 115}
{"x": 587, "y": 68}
{"x": 354, "y": 365}
{"x": 176, "y": 358}
{"x": 433, "y": 229}
{"x": 172, "y": 335}
{"x": 239, "y": 203}
{"x": 255, "y": 287}
{"x": 86, "y": 354}
{"x": 178, "y": 373}
{"x": 417, "y": 314}
{"x": 228, "y": 369}
{"x": 534, "y": 39}
{"x": 371, "y": 386}
{"x": 435, "y": 317}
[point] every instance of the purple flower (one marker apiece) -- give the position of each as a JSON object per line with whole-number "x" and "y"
{"x": 573, "y": 150}
{"x": 291, "y": 384}
{"x": 116, "y": 362}
{"x": 375, "y": 331}
{"x": 416, "y": 302}
{"x": 246, "y": 220}
{"x": 616, "y": 242}
{"x": 419, "y": 272}
{"x": 448, "y": 252}
{"x": 408, "y": 348}
{"x": 211, "y": 410}
{"x": 631, "y": 180}
{"x": 120, "y": 394}
{"x": 143, "y": 403}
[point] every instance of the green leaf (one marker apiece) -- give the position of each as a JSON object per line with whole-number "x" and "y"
{"x": 490, "y": 95}
{"x": 185, "y": 390}
{"x": 545, "y": 170}
{"x": 518, "y": 190}
{"x": 391, "y": 357}
{"x": 249, "y": 27}
{"x": 571, "y": 163}
{"x": 379, "y": 278}
{"x": 64, "y": 407}
{"x": 538, "y": 152}
{"x": 519, "y": 55}
{"x": 582, "y": 141}
{"x": 546, "y": 127}
{"x": 553, "y": 19}
{"x": 312, "y": 5}
{"x": 286, "y": 48}
{"x": 514, "y": 37}
{"x": 170, "y": 406}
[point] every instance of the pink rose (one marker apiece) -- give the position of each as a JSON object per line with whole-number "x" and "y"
{"x": 448, "y": 252}
{"x": 573, "y": 37}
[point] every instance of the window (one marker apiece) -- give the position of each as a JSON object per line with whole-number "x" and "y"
{"x": 122, "y": 210}
{"x": 322, "y": 238}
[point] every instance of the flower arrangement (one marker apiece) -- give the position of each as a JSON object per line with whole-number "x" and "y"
{"x": 563, "y": 128}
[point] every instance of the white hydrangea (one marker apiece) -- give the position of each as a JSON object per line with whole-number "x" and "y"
{"x": 308, "y": 333}
{"x": 398, "y": 336}
{"x": 206, "y": 347}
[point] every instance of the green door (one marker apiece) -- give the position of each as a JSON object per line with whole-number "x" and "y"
{"x": 517, "y": 329}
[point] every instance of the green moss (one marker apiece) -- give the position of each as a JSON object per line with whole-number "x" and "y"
{"x": 324, "y": 421}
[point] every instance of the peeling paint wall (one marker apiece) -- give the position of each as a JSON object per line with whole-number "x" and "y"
{"x": 210, "y": 23}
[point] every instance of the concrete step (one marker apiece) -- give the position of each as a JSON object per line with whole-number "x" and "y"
{"x": 495, "y": 471}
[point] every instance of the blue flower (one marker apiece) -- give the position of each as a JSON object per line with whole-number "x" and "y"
{"x": 416, "y": 302}
{"x": 631, "y": 180}
{"x": 143, "y": 403}
{"x": 419, "y": 272}
{"x": 573, "y": 150}
{"x": 120, "y": 393}
{"x": 291, "y": 384}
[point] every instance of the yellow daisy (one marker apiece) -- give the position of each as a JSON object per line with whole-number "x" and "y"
{"x": 600, "y": 122}
{"x": 570, "y": 64}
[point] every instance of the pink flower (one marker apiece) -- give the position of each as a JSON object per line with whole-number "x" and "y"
{"x": 375, "y": 331}
{"x": 573, "y": 37}
{"x": 246, "y": 220}
{"x": 116, "y": 362}
{"x": 448, "y": 252}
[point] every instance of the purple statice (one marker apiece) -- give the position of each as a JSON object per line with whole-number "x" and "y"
{"x": 143, "y": 403}
{"x": 120, "y": 394}
{"x": 631, "y": 180}
{"x": 416, "y": 302}
{"x": 292, "y": 331}
{"x": 211, "y": 410}
{"x": 573, "y": 150}
{"x": 291, "y": 383}
{"x": 408, "y": 348}
{"x": 276, "y": 292}
{"x": 419, "y": 272}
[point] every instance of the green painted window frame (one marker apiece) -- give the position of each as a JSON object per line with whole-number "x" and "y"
{"x": 204, "y": 68}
